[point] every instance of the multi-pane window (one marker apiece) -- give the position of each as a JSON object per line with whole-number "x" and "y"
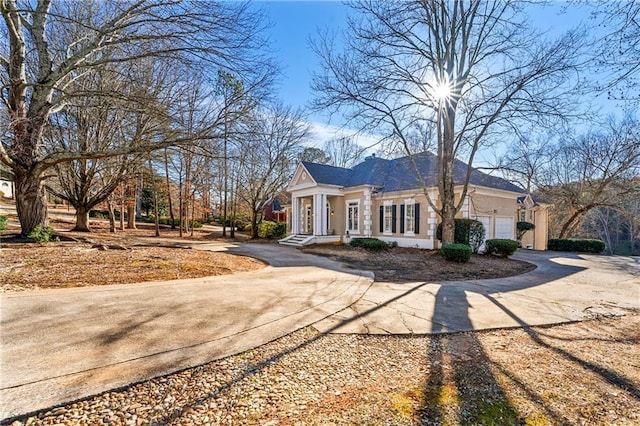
{"x": 388, "y": 219}
{"x": 352, "y": 216}
{"x": 409, "y": 218}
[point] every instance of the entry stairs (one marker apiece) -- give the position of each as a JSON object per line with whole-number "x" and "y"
{"x": 297, "y": 240}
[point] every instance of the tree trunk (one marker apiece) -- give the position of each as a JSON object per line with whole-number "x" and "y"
{"x": 82, "y": 219}
{"x": 193, "y": 212}
{"x": 234, "y": 211}
{"x": 254, "y": 224}
{"x": 156, "y": 222}
{"x": 31, "y": 204}
{"x": 112, "y": 216}
{"x": 446, "y": 118}
{"x": 122, "y": 210}
{"x": 166, "y": 173}
{"x": 131, "y": 216}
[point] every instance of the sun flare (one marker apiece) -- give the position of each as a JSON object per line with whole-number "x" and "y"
{"x": 441, "y": 91}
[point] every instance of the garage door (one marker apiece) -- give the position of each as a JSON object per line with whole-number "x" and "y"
{"x": 504, "y": 228}
{"x": 486, "y": 222}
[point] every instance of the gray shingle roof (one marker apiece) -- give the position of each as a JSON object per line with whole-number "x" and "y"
{"x": 328, "y": 175}
{"x": 399, "y": 174}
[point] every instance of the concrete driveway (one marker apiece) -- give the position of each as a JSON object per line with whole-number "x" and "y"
{"x": 564, "y": 287}
{"x": 61, "y": 345}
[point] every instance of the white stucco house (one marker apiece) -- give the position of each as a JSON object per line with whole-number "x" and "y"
{"x": 385, "y": 199}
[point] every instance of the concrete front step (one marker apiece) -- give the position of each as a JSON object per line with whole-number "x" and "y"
{"x": 297, "y": 240}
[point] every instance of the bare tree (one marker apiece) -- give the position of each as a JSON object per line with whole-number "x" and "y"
{"x": 236, "y": 101}
{"x": 51, "y": 44}
{"x": 95, "y": 124}
{"x": 591, "y": 171}
{"x": 618, "y": 58}
{"x": 463, "y": 71}
{"x": 269, "y": 150}
{"x": 525, "y": 161}
{"x": 343, "y": 152}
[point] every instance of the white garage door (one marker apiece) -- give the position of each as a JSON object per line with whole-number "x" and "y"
{"x": 486, "y": 222}
{"x": 504, "y": 228}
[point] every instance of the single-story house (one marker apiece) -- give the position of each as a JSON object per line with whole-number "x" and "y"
{"x": 385, "y": 199}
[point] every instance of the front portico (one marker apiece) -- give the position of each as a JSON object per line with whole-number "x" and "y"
{"x": 315, "y": 212}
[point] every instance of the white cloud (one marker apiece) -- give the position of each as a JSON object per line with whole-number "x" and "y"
{"x": 321, "y": 133}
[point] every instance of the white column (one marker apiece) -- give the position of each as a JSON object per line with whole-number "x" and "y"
{"x": 323, "y": 215}
{"x": 317, "y": 214}
{"x": 295, "y": 215}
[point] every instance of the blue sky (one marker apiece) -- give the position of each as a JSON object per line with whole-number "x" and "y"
{"x": 295, "y": 22}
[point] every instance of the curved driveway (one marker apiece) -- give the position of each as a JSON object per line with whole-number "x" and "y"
{"x": 564, "y": 287}
{"x": 61, "y": 345}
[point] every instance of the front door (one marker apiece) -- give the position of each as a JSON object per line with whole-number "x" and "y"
{"x": 308, "y": 219}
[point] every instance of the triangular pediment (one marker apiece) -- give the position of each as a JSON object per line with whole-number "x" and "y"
{"x": 301, "y": 177}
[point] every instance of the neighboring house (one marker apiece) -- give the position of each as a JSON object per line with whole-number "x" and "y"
{"x": 536, "y": 212}
{"x": 275, "y": 210}
{"x": 385, "y": 199}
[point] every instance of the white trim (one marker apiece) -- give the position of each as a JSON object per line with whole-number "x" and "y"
{"x": 359, "y": 188}
{"x": 483, "y": 190}
{"x": 409, "y": 202}
{"x": 385, "y": 230}
{"x": 346, "y": 211}
{"x": 311, "y": 190}
{"x": 297, "y": 175}
{"x": 410, "y": 242}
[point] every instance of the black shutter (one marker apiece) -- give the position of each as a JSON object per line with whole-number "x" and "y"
{"x": 381, "y": 219}
{"x": 417, "y": 224}
{"x": 402, "y": 218}
{"x": 393, "y": 218}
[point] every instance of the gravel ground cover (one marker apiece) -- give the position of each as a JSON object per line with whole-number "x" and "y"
{"x": 579, "y": 374}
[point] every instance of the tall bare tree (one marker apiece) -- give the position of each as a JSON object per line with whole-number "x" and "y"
{"x": 51, "y": 44}
{"x": 463, "y": 71}
{"x": 618, "y": 57}
{"x": 526, "y": 159}
{"x": 269, "y": 150}
{"x": 343, "y": 152}
{"x": 100, "y": 124}
{"x": 591, "y": 171}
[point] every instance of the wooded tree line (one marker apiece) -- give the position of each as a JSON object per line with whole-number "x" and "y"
{"x": 591, "y": 181}
{"x": 459, "y": 77}
{"x": 94, "y": 92}
{"x": 92, "y": 89}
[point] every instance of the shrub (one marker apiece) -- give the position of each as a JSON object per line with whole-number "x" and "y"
{"x": 268, "y": 229}
{"x": 280, "y": 231}
{"x": 579, "y": 245}
{"x": 3, "y": 223}
{"x": 468, "y": 231}
{"x": 43, "y": 234}
{"x": 98, "y": 214}
{"x": 369, "y": 243}
{"x": 522, "y": 228}
{"x": 460, "y": 253}
{"x": 502, "y": 248}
